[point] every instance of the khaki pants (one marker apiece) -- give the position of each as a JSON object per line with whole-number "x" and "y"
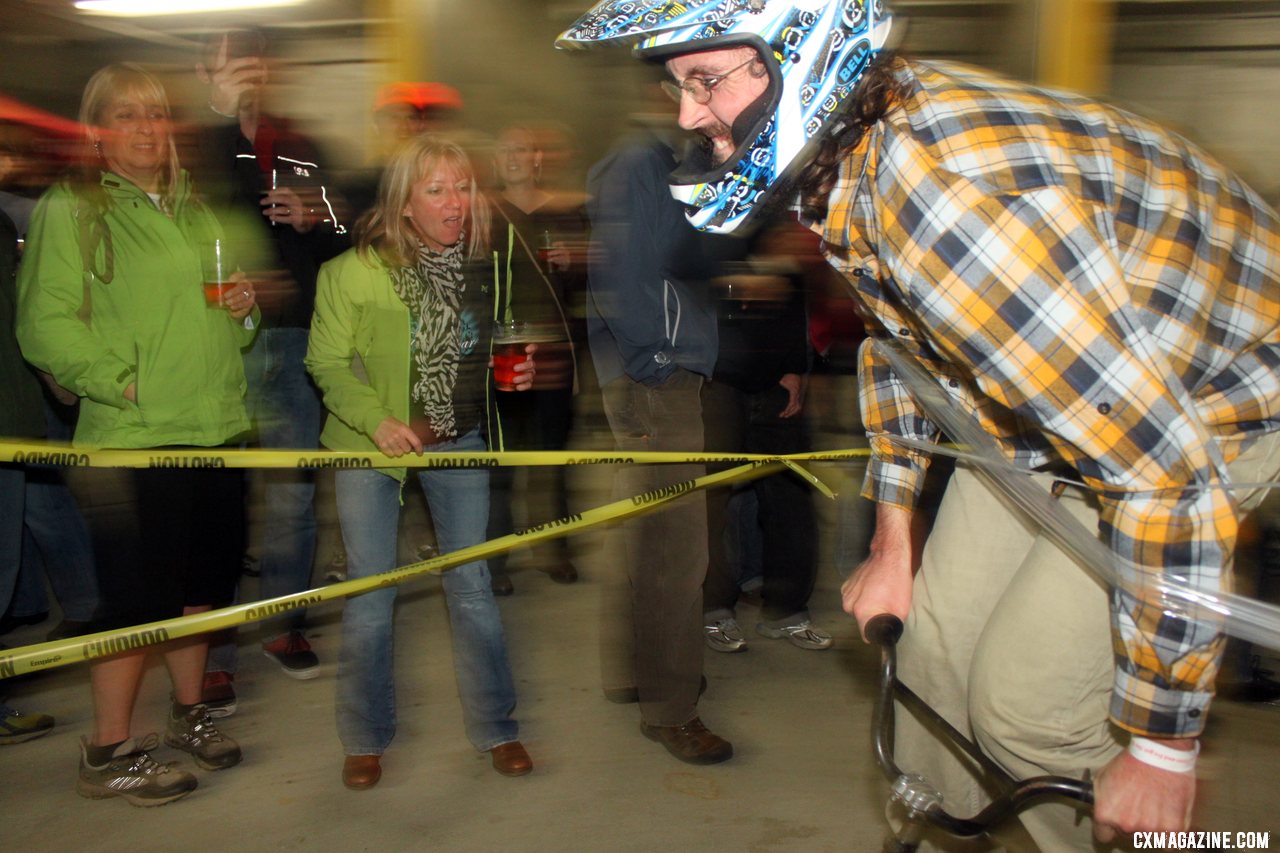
{"x": 651, "y": 629}
{"x": 1010, "y": 641}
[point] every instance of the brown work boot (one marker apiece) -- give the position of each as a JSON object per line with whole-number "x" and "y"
{"x": 692, "y": 743}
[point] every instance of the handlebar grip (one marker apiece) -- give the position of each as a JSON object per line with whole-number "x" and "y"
{"x": 883, "y": 630}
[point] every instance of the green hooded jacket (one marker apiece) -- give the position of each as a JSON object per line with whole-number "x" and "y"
{"x": 137, "y": 316}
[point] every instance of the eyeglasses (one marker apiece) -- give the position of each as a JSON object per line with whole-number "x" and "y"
{"x": 700, "y": 88}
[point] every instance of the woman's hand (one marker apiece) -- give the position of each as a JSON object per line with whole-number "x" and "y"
{"x": 394, "y": 438}
{"x": 795, "y": 385}
{"x": 524, "y": 370}
{"x": 239, "y": 297}
{"x": 559, "y": 257}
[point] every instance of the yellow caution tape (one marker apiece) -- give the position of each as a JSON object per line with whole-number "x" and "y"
{"x": 36, "y": 453}
{"x": 27, "y": 659}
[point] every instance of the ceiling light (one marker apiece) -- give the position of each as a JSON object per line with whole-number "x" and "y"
{"x": 140, "y": 8}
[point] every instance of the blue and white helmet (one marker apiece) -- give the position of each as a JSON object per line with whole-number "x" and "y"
{"x": 815, "y": 52}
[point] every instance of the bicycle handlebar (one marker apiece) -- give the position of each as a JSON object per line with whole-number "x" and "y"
{"x": 885, "y": 630}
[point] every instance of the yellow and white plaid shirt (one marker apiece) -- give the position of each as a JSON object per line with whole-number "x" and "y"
{"x": 1097, "y": 291}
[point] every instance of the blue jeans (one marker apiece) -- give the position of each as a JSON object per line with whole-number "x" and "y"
{"x": 57, "y": 538}
{"x": 369, "y": 510}
{"x": 13, "y": 480}
{"x": 286, "y": 409}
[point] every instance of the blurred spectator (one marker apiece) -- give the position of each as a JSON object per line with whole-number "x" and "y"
{"x": 754, "y": 404}
{"x": 535, "y": 231}
{"x": 112, "y": 304}
{"x": 401, "y": 111}
{"x": 19, "y": 418}
{"x": 13, "y": 202}
{"x": 422, "y": 263}
{"x": 54, "y": 536}
{"x": 265, "y": 176}
{"x": 652, "y": 332}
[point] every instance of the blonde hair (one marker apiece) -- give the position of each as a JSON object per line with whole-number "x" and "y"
{"x": 108, "y": 85}
{"x": 385, "y": 228}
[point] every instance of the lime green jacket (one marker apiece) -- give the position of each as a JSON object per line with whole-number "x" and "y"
{"x": 148, "y": 325}
{"x": 358, "y": 352}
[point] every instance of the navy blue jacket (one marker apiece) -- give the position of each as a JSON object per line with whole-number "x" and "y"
{"x": 649, "y": 309}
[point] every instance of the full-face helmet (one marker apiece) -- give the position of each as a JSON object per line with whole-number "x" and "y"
{"x": 815, "y": 52}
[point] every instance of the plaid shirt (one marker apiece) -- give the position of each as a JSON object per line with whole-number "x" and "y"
{"x": 1097, "y": 291}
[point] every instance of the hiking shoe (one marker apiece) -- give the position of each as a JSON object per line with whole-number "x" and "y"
{"x": 194, "y": 732}
{"x": 16, "y": 727}
{"x": 134, "y": 775}
{"x": 802, "y": 635}
{"x": 692, "y": 743}
{"x": 293, "y": 653}
{"x": 219, "y": 693}
{"x": 724, "y": 635}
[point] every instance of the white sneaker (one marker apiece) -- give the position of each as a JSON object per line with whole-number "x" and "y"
{"x": 802, "y": 635}
{"x": 337, "y": 569}
{"x": 724, "y": 635}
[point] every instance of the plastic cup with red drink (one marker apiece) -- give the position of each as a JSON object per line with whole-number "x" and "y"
{"x": 509, "y": 342}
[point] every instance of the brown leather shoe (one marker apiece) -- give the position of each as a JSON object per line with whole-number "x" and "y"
{"x": 361, "y": 771}
{"x": 563, "y": 572}
{"x": 692, "y": 743}
{"x": 510, "y": 759}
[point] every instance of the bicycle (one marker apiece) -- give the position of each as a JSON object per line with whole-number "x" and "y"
{"x": 921, "y": 801}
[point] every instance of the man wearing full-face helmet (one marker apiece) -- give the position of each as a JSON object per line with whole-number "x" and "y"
{"x": 1097, "y": 293}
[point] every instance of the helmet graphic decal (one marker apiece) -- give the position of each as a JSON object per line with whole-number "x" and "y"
{"x": 815, "y": 52}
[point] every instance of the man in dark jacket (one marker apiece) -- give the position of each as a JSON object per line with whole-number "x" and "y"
{"x": 264, "y": 179}
{"x": 652, "y": 333}
{"x": 20, "y": 417}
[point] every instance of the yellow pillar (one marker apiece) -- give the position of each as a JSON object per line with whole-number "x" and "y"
{"x": 405, "y": 35}
{"x": 1073, "y": 44}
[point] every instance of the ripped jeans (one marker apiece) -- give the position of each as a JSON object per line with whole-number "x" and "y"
{"x": 369, "y": 509}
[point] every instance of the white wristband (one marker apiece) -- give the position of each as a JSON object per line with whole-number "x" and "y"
{"x": 1159, "y": 755}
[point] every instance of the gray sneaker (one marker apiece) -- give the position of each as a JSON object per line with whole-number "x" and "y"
{"x": 801, "y": 634}
{"x": 194, "y": 732}
{"x": 724, "y": 635}
{"x": 133, "y": 775}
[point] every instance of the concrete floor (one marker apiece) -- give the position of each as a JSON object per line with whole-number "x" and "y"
{"x": 798, "y": 720}
{"x": 802, "y": 777}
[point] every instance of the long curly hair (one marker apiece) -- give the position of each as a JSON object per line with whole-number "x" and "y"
{"x": 877, "y": 94}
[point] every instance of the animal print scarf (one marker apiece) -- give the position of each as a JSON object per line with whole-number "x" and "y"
{"x": 432, "y": 289}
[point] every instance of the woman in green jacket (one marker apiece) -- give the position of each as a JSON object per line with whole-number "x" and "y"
{"x": 111, "y": 304}
{"x": 399, "y": 348}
